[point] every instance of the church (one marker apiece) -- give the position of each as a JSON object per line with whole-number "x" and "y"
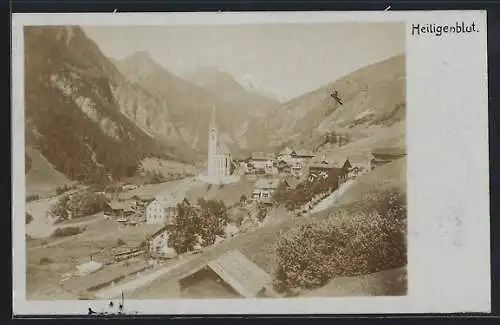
{"x": 219, "y": 159}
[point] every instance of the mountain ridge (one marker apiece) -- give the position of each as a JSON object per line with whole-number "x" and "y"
{"x": 73, "y": 115}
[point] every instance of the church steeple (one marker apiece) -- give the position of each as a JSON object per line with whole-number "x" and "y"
{"x": 213, "y": 125}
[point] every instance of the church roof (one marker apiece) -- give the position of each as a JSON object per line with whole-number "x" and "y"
{"x": 223, "y": 149}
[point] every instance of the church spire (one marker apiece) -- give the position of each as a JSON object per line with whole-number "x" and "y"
{"x": 212, "y": 121}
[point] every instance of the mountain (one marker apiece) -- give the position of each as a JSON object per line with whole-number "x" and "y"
{"x": 190, "y": 105}
{"x": 41, "y": 176}
{"x": 372, "y": 97}
{"x": 83, "y": 115}
{"x": 226, "y": 87}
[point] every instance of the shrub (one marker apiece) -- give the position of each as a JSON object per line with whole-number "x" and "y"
{"x": 32, "y": 197}
{"x": 78, "y": 205}
{"x": 120, "y": 242}
{"x": 362, "y": 238}
{"x": 45, "y": 260}
{"x": 66, "y": 231}
{"x": 155, "y": 177}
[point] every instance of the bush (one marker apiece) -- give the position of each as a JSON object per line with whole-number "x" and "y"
{"x": 362, "y": 238}
{"x": 78, "y": 205}
{"x": 32, "y": 197}
{"x": 66, "y": 231}
{"x": 45, "y": 260}
{"x": 120, "y": 242}
{"x": 155, "y": 177}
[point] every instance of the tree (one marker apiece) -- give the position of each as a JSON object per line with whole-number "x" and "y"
{"x": 213, "y": 218}
{"x": 183, "y": 236}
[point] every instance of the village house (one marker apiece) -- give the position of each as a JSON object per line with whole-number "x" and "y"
{"x": 164, "y": 208}
{"x": 264, "y": 190}
{"x": 262, "y": 161}
{"x": 119, "y": 209}
{"x": 301, "y": 156}
{"x": 232, "y": 275}
{"x": 297, "y": 169}
{"x": 158, "y": 243}
{"x": 382, "y": 156}
{"x": 286, "y": 154}
{"x": 338, "y": 170}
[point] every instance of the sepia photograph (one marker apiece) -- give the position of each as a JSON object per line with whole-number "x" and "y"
{"x": 235, "y": 163}
{"x": 215, "y": 161}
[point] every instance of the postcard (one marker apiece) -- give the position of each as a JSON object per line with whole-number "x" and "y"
{"x": 250, "y": 163}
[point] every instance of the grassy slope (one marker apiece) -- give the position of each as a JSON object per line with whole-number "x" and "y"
{"x": 385, "y": 283}
{"x": 392, "y": 174}
{"x": 42, "y": 178}
{"x": 229, "y": 193}
{"x": 374, "y": 94}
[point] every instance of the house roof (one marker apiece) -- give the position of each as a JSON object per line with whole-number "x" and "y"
{"x": 286, "y": 151}
{"x": 262, "y": 156}
{"x": 396, "y": 152}
{"x": 169, "y": 199}
{"x": 304, "y": 153}
{"x": 161, "y": 230}
{"x": 324, "y": 165}
{"x": 266, "y": 183}
{"x": 120, "y": 205}
{"x": 322, "y": 162}
{"x": 244, "y": 276}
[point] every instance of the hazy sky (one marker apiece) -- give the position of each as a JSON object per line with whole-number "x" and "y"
{"x": 284, "y": 60}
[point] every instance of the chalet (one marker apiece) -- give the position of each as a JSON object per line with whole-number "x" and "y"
{"x": 158, "y": 243}
{"x": 164, "y": 208}
{"x": 262, "y": 160}
{"x": 119, "y": 209}
{"x": 302, "y": 155}
{"x": 264, "y": 190}
{"x": 286, "y": 154}
{"x": 338, "y": 170}
{"x": 297, "y": 169}
{"x": 382, "y": 156}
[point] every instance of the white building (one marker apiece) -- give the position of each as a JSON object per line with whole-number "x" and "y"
{"x": 262, "y": 161}
{"x": 264, "y": 190}
{"x": 219, "y": 165}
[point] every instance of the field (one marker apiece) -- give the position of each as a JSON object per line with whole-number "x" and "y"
{"x": 229, "y": 193}
{"x": 358, "y": 150}
{"x": 47, "y": 263}
{"x": 151, "y": 190}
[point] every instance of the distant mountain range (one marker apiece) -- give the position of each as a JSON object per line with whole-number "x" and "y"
{"x": 91, "y": 116}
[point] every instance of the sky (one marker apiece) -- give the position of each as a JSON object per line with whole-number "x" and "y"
{"x": 284, "y": 60}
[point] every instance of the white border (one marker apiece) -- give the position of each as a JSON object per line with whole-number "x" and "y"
{"x": 448, "y": 177}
